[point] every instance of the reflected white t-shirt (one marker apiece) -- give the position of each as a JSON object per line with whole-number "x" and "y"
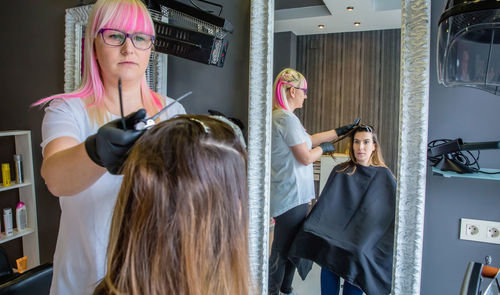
{"x": 80, "y": 256}
{"x": 292, "y": 184}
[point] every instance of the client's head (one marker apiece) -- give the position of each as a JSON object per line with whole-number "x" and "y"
{"x": 181, "y": 219}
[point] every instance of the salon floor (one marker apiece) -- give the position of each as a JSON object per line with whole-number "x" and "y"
{"x": 311, "y": 285}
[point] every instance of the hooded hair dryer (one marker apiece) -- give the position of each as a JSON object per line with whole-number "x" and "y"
{"x": 469, "y": 45}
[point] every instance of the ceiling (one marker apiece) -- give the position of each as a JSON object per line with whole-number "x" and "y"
{"x": 302, "y": 17}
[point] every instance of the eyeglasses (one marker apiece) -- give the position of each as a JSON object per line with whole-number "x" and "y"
{"x": 114, "y": 37}
{"x": 303, "y": 89}
{"x": 366, "y": 128}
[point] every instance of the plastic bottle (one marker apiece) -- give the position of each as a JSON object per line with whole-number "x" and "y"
{"x": 6, "y": 174}
{"x": 7, "y": 222}
{"x": 21, "y": 217}
{"x": 19, "y": 168}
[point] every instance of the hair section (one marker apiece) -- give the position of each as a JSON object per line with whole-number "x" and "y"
{"x": 181, "y": 219}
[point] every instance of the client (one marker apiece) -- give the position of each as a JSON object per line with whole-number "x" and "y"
{"x": 181, "y": 218}
{"x": 350, "y": 230}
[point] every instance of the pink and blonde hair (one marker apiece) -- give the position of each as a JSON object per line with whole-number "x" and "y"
{"x": 125, "y": 15}
{"x": 286, "y": 79}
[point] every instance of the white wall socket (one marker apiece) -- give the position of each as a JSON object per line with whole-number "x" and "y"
{"x": 480, "y": 230}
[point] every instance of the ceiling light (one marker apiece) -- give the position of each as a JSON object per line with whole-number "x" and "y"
{"x": 350, "y": 8}
{"x": 357, "y": 24}
{"x": 321, "y": 27}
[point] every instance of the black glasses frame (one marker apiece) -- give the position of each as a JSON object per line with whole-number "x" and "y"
{"x": 303, "y": 89}
{"x": 127, "y": 35}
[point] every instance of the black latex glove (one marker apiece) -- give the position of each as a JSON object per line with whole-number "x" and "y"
{"x": 345, "y": 129}
{"x": 327, "y": 147}
{"x": 110, "y": 145}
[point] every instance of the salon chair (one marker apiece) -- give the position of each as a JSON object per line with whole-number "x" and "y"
{"x": 35, "y": 281}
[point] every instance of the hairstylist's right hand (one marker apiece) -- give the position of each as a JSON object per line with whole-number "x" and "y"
{"x": 345, "y": 129}
{"x": 327, "y": 147}
{"x": 110, "y": 145}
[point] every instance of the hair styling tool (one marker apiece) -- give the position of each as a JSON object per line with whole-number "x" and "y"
{"x": 150, "y": 122}
{"x": 121, "y": 102}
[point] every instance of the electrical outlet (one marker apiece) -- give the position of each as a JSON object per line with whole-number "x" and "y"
{"x": 480, "y": 230}
{"x": 472, "y": 230}
{"x": 493, "y": 233}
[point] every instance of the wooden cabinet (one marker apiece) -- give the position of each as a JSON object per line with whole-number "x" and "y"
{"x": 27, "y": 195}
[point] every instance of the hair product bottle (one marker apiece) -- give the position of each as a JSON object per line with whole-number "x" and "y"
{"x": 7, "y": 222}
{"x": 5, "y": 174}
{"x": 19, "y": 168}
{"x": 21, "y": 217}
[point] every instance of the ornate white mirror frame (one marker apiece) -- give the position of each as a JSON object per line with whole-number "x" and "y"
{"x": 415, "y": 35}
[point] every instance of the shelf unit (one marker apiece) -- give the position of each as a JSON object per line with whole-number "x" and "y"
{"x": 26, "y": 189}
{"x": 476, "y": 175}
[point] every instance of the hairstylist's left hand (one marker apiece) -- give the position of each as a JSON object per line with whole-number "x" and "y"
{"x": 327, "y": 147}
{"x": 109, "y": 147}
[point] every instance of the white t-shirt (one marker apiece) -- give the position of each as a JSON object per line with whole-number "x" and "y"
{"x": 80, "y": 256}
{"x": 292, "y": 183}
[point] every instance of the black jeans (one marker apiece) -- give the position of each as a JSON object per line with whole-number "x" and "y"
{"x": 281, "y": 270}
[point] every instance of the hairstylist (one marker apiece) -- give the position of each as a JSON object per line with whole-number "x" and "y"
{"x": 292, "y": 183}
{"x": 80, "y": 149}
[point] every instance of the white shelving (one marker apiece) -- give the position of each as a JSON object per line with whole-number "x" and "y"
{"x": 13, "y": 186}
{"x": 477, "y": 175}
{"x": 27, "y": 196}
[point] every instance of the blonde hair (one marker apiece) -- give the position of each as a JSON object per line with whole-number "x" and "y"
{"x": 286, "y": 79}
{"x": 181, "y": 218}
{"x": 376, "y": 158}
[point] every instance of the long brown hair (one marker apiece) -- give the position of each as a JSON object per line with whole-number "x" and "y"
{"x": 376, "y": 158}
{"x": 181, "y": 219}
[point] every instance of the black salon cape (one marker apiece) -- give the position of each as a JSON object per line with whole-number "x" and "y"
{"x": 350, "y": 230}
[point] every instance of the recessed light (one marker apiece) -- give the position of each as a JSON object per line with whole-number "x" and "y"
{"x": 321, "y": 27}
{"x": 357, "y": 24}
{"x": 350, "y": 8}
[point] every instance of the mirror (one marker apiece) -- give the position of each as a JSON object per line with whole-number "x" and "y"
{"x": 414, "y": 80}
{"x": 411, "y": 148}
{"x": 351, "y": 71}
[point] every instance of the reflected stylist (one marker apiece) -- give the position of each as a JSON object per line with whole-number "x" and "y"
{"x": 292, "y": 183}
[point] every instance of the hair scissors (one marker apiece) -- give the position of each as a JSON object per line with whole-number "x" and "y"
{"x": 146, "y": 123}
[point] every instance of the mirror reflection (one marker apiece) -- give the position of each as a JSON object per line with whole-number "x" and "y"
{"x": 329, "y": 69}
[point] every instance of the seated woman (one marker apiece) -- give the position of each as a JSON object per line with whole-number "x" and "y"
{"x": 350, "y": 230}
{"x": 181, "y": 218}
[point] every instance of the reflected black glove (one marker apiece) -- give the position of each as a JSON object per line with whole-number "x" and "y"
{"x": 327, "y": 147}
{"x": 110, "y": 145}
{"x": 345, "y": 129}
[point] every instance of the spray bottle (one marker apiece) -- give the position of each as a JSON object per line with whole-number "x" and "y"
{"x": 21, "y": 217}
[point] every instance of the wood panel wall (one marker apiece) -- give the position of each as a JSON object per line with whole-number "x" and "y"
{"x": 352, "y": 75}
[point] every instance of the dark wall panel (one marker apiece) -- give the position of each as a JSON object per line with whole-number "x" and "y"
{"x": 32, "y": 68}
{"x": 224, "y": 89}
{"x": 285, "y": 52}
